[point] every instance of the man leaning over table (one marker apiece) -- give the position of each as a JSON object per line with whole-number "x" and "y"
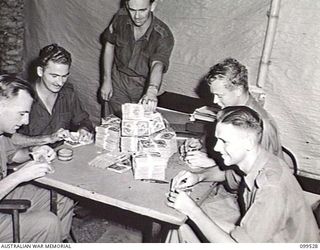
{"x": 228, "y": 81}
{"x": 137, "y": 51}
{"x": 38, "y": 224}
{"x": 272, "y": 204}
{"x": 57, "y": 109}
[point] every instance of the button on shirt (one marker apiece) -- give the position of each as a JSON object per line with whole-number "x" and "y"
{"x": 134, "y": 58}
{"x": 275, "y": 209}
{"x": 67, "y": 113}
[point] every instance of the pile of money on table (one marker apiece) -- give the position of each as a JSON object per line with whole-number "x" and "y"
{"x": 145, "y": 136}
{"x": 108, "y": 134}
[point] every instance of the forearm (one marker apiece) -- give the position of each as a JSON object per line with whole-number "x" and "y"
{"x": 212, "y": 174}
{"x": 156, "y": 75}
{"x": 8, "y": 184}
{"x": 209, "y": 228}
{"x": 108, "y": 61}
{"x": 22, "y": 141}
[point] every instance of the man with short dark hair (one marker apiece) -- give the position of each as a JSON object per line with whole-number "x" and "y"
{"x": 272, "y": 205}
{"x": 57, "y": 109}
{"x": 137, "y": 51}
{"x": 38, "y": 224}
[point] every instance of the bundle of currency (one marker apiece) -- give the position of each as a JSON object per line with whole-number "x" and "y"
{"x": 149, "y": 166}
{"x": 132, "y": 111}
{"x": 108, "y": 134}
{"x": 138, "y": 128}
{"x": 156, "y": 123}
{"x": 116, "y": 162}
{"x": 168, "y": 138}
{"x": 129, "y": 144}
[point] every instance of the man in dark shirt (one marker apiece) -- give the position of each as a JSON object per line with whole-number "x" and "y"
{"x": 137, "y": 51}
{"x": 57, "y": 108}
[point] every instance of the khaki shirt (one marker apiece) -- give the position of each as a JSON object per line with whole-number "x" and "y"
{"x": 6, "y": 147}
{"x": 270, "y": 137}
{"x": 274, "y": 207}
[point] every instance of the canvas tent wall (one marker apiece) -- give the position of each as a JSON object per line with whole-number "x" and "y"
{"x": 205, "y": 31}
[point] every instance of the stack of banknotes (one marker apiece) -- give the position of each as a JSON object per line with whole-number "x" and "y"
{"x": 108, "y": 134}
{"x": 138, "y": 123}
{"x": 163, "y": 142}
{"x": 149, "y": 166}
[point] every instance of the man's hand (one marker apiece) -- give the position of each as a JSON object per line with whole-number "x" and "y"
{"x": 189, "y": 145}
{"x": 59, "y": 135}
{"x": 85, "y": 136}
{"x": 33, "y": 170}
{"x": 199, "y": 159}
{"x": 184, "y": 180}
{"x": 181, "y": 201}
{"x": 106, "y": 90}
{"x": 43, "y": 152}
{"x": 150, "y": 100}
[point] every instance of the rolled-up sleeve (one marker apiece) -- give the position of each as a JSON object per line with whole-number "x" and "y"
{"x": 163, "y": 51}
{"x": 80, "y": 118}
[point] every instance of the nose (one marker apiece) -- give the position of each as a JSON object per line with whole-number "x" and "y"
{"x": 60, "y": 81}
{"x": 136, "y": 14}
{"x": 217, "y": 147}
{"x": 25, "y": 119}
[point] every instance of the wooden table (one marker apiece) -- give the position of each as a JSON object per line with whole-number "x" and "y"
{"x": 115, "y": 189}
{"x": 119, "y": 190}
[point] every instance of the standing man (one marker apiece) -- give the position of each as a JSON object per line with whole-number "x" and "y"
{"x": 38, "y": 224}
{"x": 272, "y": 205}
{"x": 57, "y": 108}
{"x": 137, "y": 51}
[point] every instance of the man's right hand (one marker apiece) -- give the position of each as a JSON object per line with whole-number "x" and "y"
{"x": 106, "y": 91}
{"x": 59, "y": 135}
{"x": 184, "y": 180}
{"x": 191, "y": 144}
{"x": 33, "y": 170}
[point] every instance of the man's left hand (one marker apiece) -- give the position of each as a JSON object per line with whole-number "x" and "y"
{"x": 85, "y": 136}
{"x": 181, "y": 201}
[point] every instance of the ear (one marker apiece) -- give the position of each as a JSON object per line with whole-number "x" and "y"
{"x": 39, "y": 71}
{"x": 154, "y": 5}
{"x": 239, "y": 91}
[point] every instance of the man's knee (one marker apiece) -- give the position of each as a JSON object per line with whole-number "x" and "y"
{"x": 41, "y": 227}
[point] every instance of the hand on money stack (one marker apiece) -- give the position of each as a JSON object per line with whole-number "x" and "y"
{"x": 108, "y": 134}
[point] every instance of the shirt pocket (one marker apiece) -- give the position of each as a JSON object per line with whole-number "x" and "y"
{"x": 65, "y": 120}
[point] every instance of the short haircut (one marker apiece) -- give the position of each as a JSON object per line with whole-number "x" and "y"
{"x": 54, "y": 53}
{"x": 10, "y": 86}
{"x": 230, "y": 69}
{"x": 242, "y": 117}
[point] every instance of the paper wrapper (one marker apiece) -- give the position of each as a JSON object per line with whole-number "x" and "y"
{"x": 149, "y": 167}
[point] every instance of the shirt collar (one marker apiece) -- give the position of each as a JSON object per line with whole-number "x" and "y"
{"x": 258, "y": 165}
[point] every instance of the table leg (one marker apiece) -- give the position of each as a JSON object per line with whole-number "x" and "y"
{"x": 152, "y": 233}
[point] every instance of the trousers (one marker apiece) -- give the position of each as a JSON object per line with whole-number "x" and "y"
{"x": 38, "y": 224}
{"x": 126, "y": 89}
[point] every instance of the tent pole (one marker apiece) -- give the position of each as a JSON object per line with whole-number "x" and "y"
{"x": 273, "y": 15}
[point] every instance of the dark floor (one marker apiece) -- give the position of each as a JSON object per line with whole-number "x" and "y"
{"x": 96, "y": 223}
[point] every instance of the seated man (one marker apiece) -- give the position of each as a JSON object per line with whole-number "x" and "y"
{"x": 57, "y": 108}
{"x": 38, "y": 224}
{"x": 272, "y": 204}
{"x": 228, "y": 81}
